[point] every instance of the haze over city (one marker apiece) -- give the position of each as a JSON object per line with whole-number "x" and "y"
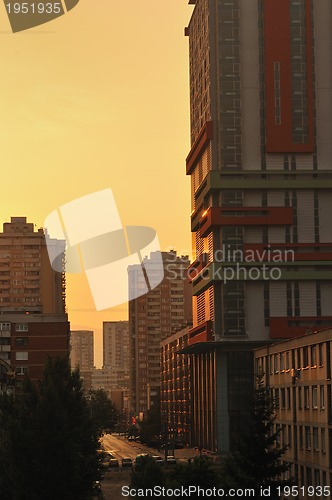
{"x": 99, "y": 98}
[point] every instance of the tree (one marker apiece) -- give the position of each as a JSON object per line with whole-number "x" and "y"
{"x": 48, "y": 445}
{"x": 256, "y": 461}
{"x": 148, "y": 475}
{"x": 197, "y": 472}
{"x": 104, "y": 413}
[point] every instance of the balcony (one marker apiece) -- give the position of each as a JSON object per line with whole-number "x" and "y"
{"x": 199, "y": 145}
{"x": 196, "y": 267}
{"x": 201, "y": 333}
{"x": 215, "y": 217}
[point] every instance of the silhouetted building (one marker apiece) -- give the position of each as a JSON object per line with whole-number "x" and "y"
{"x": 82, "y": 354}
{"x": 33, "y": 322}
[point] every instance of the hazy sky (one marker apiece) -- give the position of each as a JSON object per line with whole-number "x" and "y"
{"x": 98, "y": 98}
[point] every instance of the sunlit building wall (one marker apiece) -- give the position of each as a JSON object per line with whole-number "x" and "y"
{"x": 298, "y": 371}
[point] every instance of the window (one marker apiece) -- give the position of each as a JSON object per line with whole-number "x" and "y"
{"x": 322, "y": 397}
{"x": 21, "y": 327}
{"x": 276, "y": 363}
{"x": 21, "y": 341}
{"x": 320, "y": 354}
{"x": 283, "y": 397}
{"x": 307, "y": 438}
{"x": 301, "y": 436}
{"x": 315, "y": 438}
{"x": 288, "y": 398}
{"x": 21, "y": 370}
{"x": 300, "y": 397}
{"x": 5, "y": 326}
{"x": 290, "y": 439}
{"x": 282, "y": 361}
{"x": 322, "y": 440}
{"x": 298, "y": 352}
{"x": 313, "y": 351}
{"x": 276, "y": 398}
{"x": 306, "y": 397}
{"x": 287, "y": 361}
{"x": 317, "y": 477}
{"x": 283, "y": 435}
{"x": 21, "y": 356}
{"x": 271, "y": 364}
{"x": 305, "y": 357}
{"x": 314, "y": 396}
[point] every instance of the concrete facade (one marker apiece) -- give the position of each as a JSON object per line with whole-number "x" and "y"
{"x": 298, "y": 372}
{"x": 261, "y": 178}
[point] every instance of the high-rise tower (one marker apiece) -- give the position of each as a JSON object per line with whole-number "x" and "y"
{"x": 153, "y": 317}
{"x": 260, "y": 164}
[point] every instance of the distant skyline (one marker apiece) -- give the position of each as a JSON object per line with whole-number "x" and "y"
{"x": 99, "y": 98}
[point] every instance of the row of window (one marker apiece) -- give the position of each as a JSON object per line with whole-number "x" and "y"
{"x": 307, "y": 397}
{"x": 19, "y": 327}
{"x": 299, "y": 358}
{"x": 309, "y": 437}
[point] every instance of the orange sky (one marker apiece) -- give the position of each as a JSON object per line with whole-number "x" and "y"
{"x": 98, "y": 98}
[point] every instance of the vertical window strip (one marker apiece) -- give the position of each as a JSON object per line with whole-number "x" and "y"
{"x": 277, "y": 102}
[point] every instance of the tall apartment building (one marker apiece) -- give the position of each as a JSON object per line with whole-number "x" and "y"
{"x": 298, "y": 371}
{"x": 261, "y": 177}
{"x": 27, "y": 280}
{"x": 82, "y": 354}
{"x": 33, "y": 322}
{"x": 153, "y": 317}
{"x": 116, "y": 344}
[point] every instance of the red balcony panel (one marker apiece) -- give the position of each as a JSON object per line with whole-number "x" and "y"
{"x": 201, "y": 333}
{"x": 196, "y": 267}
{"x": 199, "y": 145}
{"x": 277, "y": 46}
{"x": 288, "y": 252}
{"x": 245, "y": 216}
{"x": 289, "y": 327}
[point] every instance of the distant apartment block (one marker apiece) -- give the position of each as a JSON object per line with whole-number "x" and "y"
{"x": 33, "y": 322}
{"x": 298, "y": 371}
{"x": 175, "y": 395}
{"x": 116, "y": 345}
{"x": 115, "y": 383}
{"x": 26, "y": 340}
{"x": 82, "y": 354}
{"x": 27, "y": 280}
{"x": 153, "y": 317}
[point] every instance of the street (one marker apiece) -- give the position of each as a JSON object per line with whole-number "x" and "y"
{"x": 121, "y": 448}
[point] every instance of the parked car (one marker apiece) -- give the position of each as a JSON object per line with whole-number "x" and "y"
{"x": 114, "y": 463}
{"x": 158, "y": 459}
{"x": 127, "y": 462}
{"x": 171, "y": 460}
